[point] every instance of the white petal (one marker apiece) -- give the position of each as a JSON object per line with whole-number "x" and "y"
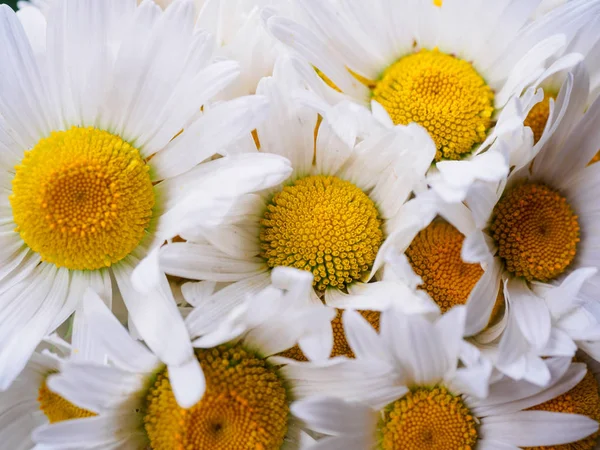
{"x": 537, "y": 428}
{"x": 217, "y": 128}
{"x": 156, "y": 317}
{"x": 188, "y": 382}
{"x": 205, "y": 262}
{"x": 125, "y": 352}
{"x": 335, "y": 416}
{"x": 530, "y": 312}
{"x": 361, "y": 336}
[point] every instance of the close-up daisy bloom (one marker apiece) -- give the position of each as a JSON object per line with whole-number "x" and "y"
{"x": 247, "y": 397}
{"x": 101, "y": 136}
{"x": 433, "y": 254}
{"x": 451, "y": 66}
{"x": 331, "y": 217}
{"x": 403, "y": 394}
{"x": 28, "y": 403}
{"x": 541, "y": 224}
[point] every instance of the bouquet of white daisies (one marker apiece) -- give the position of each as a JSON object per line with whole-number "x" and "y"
{"x": 300, "y": 224}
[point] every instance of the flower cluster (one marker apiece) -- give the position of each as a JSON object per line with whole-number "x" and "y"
{"x": 300, "y": 224}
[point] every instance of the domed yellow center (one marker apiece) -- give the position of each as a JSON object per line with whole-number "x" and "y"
{"x": 82, "y": 198}
{"x": 340, "y": 344}
{"x": 57, "y": 408}
{"x": 442, "y": 93}
{"x": 434, "y": 255}
{"x": 431, "y": 419}
{"x": 582, "y": 399}
{"x": 323, "y": 225}
{"x": 244, "y": 407}
{"x": 538, "y": 116}
{"x": 536, "y": 232}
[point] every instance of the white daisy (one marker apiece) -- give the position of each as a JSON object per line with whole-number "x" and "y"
{"x": 28, "y": 403}
{"x": 541, "y": 224}
{"x": 402, "y": 392}
{"x": 247, "y": 398}
{"x": 430, "y": 259}
{"x": 93, "y": 166}
{"x": 450, "y": 66}
{"x": 331, "y": 217}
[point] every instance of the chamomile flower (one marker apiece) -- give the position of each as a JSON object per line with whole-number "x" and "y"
{"x": 430, "y": 259}
{"x": 405, "y": 391}
{"x": 450, "y": 66}
{"x": 247, "y": 397}
{"x": 541, "y": 225}
{"x": 94, "y": 165}
{"x": 331, "y": 217}
{"x": 29, "y": 403}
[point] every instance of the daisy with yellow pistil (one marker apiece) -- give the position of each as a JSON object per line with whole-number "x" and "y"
{"x": 95, "y": 169}
{"x": 406, "y": 391}
{"x": 541, "y": 223}
{"x": 430, "y": 259}
{"x": 451, "y": 66}
{"x": 247, "y": 398}
{"x": 29, "y": 402}
{"x": 333, "y": 214}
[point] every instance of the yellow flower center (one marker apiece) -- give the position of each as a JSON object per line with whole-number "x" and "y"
{"x": 538, "y": 116}
{"x": 323, "y": 225}
{"x": 245, "y": 406}
{"x": 340, "y": 344}
{"x": 431, "y": 419}
{"x": 57, "y": 408}
{"x": 82, "y": 198}
{"x": 582, "y": 399}
{"x": 442, "y": 93}
{"x": 434, "y": 255}
{"x": 536, "y": 232}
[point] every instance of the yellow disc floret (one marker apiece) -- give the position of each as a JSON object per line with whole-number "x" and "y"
{"x": 57, "y": 408}
{"x": 340, "y": 344}
{"x": 324, "y": 225}
{"x": 82, "y": 198}
{"x": 442, "y": 93}
{"x": 431, "y": 419}
{"x": 538, "y": 116}
{"x": 434, "y": 255}
{"x": 582, "y": 399}
{"x": 536, "y": 232}
{"x": 245, "y": 406}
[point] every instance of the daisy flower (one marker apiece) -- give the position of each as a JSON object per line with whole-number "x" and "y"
{"x": 541, "y": 224}
{"x": 331, "y": 217}
{"x": 95, "y": 168}
{"x": 413, "y": 399}
{"x": 247, "y": 398}
{"x": 29, "y": 403}
{"x": 450, "y": 66}
{"x": 430, "y": 259}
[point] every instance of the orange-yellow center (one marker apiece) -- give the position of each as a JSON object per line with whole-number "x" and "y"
{"x": 444, "y": 94}
{"x": 82, "y": 198}
{"x": 538, "y": 116}
{"x": 323, "y": 225}
{"x": 431, "y": 419}
{"x": 57, "y": 408}
{"x": 582, "y": 399}
{"x": 536, "y": 232}
{"x": 434, "y": 255}
{"x": 245, "y": 406}
{"x": 340, "y": 344}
